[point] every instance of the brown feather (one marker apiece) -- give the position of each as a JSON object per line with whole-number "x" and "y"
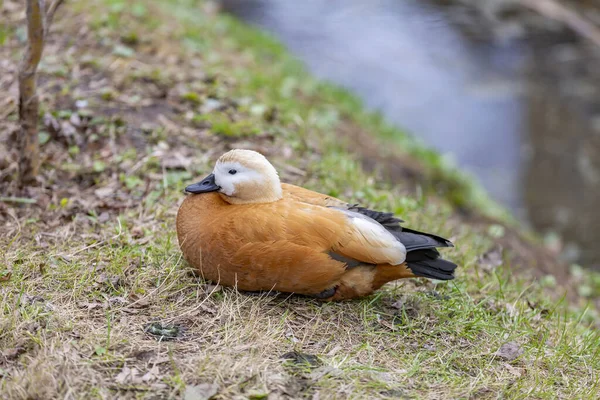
{"x": 280, "y": 246}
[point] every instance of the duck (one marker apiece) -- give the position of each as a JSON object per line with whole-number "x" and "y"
{"x": 242, "y": 227}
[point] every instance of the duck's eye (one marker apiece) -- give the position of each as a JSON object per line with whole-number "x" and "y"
{"x": 232, "y": 172}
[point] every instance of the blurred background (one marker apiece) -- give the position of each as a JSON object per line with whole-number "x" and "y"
{"x": 509, "y": 90}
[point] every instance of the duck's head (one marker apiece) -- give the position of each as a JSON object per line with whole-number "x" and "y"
{"x": 241, "y": 177}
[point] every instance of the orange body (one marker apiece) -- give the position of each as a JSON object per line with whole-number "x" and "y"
{"x": 284, "y": 245}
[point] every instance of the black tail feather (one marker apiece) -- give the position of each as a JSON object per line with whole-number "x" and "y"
{"x": 427, "y": 263}
{"x": 415, "y": 240}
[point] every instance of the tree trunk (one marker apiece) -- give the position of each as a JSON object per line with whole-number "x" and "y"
{"x": 27, "y": 142}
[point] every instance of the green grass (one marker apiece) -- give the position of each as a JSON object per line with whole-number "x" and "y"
{"x": 81, "y": 277}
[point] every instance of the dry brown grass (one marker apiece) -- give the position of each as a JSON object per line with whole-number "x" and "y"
{"x": 85, "y": 269}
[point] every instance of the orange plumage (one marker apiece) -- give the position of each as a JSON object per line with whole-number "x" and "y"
{"x": 243, "y": 228}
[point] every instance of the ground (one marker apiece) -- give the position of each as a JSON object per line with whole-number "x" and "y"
{"x": 138, "y": 101}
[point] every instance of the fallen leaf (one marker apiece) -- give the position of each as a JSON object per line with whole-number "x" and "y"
{"x": 128, "y": 376}
{"x": 203, "y": 391}
{"x": 515, "y": 371}
{"x": 144, "y": 355}
{"x": 398, "y": 304}
{"x": 116, "y": 300}
{"x": 429, "y": 347}
{"x": 137, "y": 232}
{"x": 28, "y": 299}
{"x": 138, "y": 302}
{"x": 334, "y": 351}
{"x": 103, "y": 217}
{"x": 509, "y": 351}
{"x": 104, "y": 192}
{"x": 212, "y": 288}
{"x": 113, "y": 280}
{"x": 5, "y": 276}
{"x": 88, "y": 305}
{"x": 406, "y": 305}
{"x": 388, "y": 325}
{"x": 151, "y": 375}
{"x": 208, "y": 309}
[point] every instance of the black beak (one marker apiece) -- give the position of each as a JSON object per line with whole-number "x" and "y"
{"x": 204, "y": 186}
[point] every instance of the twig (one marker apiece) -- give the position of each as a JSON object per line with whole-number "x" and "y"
{"x": 38, "y": 23}
{"x": 21, "y": 200}
{"x": 554, "y": 10}
{"x": 51, "y": 10}
{"x": 28, "y": 144}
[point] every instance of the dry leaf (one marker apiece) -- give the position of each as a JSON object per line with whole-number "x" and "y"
{"x": 398, "y": 304}
{"x": 131, "y": 376}
{"x": 137, "y": 232}
{"x": 104, "y": 192}
{"x": 138, "y": 302}
{"x": 212, "y": 288}
{"x": 89, "y": 306}
{"x": 509, "y": 351}
{"x": 151, "y": 375}
{"x": 515, "y": 371}
{"x": 5, "y": 277}
{"x": 128, "y": 376}
{"x": 203, "y": 391}
{"x": 113, "y": 280}
{"x": 388, "y": 325}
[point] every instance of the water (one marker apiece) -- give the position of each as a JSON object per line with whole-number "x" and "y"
{"x": 484, "y": 103}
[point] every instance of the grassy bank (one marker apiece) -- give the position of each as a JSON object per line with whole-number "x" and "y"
{"x": 139, "y": 99}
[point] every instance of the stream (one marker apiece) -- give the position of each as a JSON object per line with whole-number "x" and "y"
{"x": 519, "y": 113}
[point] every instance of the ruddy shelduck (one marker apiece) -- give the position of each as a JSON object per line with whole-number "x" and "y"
{"x": 242, "y": 227}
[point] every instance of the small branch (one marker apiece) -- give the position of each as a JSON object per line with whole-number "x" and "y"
{"x": 51, "y": 10}
{"x": 558, "y": 12}
{"x": 20, "y": 200}
{"x": 27, "y": 143}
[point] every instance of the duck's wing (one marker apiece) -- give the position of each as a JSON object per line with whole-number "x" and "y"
{"x": 297, "y": 193}
{"x": 331, "y": 229}
{"x": 412, "y": 239}
{"x": 368, "y": 241}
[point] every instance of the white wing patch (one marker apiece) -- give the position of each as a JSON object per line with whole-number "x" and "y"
{"x": 379, "y": 243}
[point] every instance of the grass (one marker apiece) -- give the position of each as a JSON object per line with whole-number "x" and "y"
{"x": 92, "y": 271}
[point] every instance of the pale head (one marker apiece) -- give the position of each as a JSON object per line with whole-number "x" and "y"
{"x": 242, "y": 177}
